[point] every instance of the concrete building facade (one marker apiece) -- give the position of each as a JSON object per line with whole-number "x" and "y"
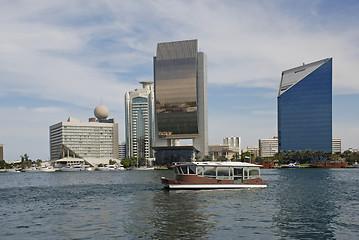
{"x": 268, "y": 147}
{"x": 180, "y": 77}
{"x": 122, "y": 150}
{"x": 336, "y": 145}
{"x": 140, "y": 122}
{"x": 95, "y": 141}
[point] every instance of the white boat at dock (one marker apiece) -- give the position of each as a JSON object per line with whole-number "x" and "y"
{"x": 76, "y": 168}
{"x": 110, "y": 168}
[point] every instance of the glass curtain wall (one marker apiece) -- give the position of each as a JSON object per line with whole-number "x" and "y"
{"x": 305, "y": 113}
{"x": 176, "y": 87}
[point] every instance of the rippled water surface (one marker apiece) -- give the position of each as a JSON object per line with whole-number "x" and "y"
{"x": 298, "y": 204}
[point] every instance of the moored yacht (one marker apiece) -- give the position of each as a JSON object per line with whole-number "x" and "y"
{"x": 215, "y": 175}
{"x": 73, "y": 168}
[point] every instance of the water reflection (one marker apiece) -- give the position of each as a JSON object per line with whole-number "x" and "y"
{"x": 168, "y": 215}
{"x": 306, "y": 202}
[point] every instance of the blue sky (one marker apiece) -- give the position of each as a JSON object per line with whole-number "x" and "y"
{"x": 60, "y": 58}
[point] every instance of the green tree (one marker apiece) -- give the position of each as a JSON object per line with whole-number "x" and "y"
{"x": 112, "y": 162}
{"x": 236, "y": 157}
{"x": 206, "y": 158}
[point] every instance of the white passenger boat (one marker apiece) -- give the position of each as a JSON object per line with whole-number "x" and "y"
{"x": 47, "y": 169}
{"x": 110, "y": 168}
{"x": 73, "y": 168}
{"x": 33, "y": 169}
{"x": 215, "y": 175}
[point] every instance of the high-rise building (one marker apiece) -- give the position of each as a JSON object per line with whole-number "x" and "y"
{"x": 337, "y": 145}
{"x": 1, "y": 152}
{"x": 95, "y": 141}
{"x": 140, "y": 122}
{"x": 268, "y": 147}
{"x": 180, "y": 77}
{"x": 305, "y": 107}
{"x": 122, "y": 150}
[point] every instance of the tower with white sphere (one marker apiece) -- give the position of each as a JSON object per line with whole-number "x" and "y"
{"x": 94, "y": 142}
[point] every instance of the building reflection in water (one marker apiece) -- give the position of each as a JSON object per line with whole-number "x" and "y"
{"x": 168, "y": 215}
{"x": 306, "y": 202}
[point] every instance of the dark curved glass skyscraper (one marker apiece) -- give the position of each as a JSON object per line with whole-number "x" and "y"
{"x": 180, "y": 77}
{"x": 305, "y": 107}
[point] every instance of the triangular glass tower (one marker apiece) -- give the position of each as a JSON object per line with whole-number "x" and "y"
{"x": 305, "y": 107}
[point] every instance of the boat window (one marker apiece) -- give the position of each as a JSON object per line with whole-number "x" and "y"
{"x": 181, "y": 170}
{"x": 210, "y": 172}
{"x": 245, "y": 173}
{"x": 223, "y": 173}
{"x": 254, "y": 173}
{"x": 238, "y": 172}
{"x": 191, "y": 169}
{"x": 200, "y": 171}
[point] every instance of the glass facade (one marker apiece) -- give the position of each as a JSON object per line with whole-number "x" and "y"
{"x": 140, "y": 122}
{"x": 175, "y": 69}
{"x": 305, "y": 108}
{"x": 168, "y": 155}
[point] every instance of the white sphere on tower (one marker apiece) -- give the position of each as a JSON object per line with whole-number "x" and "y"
{"x": 101, "y": 112}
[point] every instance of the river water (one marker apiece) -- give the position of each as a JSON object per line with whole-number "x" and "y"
{"x": 298, "y": 204}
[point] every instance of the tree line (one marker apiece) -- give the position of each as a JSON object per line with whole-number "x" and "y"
{"x": 26, "y": 162}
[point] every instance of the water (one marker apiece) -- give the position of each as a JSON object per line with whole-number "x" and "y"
{"x": 298, "y": 204}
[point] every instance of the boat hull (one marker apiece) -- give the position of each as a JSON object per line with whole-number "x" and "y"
{"x": 213, "y": 186}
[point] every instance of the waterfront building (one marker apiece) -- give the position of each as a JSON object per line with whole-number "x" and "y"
{"x": 140, "y": 122}
{"x": 233, "y": 142}
{"x": 95, "y": 141}
{"x": 180, "y": 77}
{"x": 268, "y": 147}
{"x": 252, "y": 149}
{"x": 305, "y": 107}
{"x": 122, "y": 150}
{"x": 231, "y": 148}
{"x": 1, "y": 152}
{"x": 337, "y": 145}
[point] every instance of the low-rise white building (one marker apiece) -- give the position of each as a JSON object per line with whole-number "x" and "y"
{"x": 336, "y": 145}
{"x": 95, "y": 141}
{"x": 268, "y": 147}
{"x": 231, "y": 146}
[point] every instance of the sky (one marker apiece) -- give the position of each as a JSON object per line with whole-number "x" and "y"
{"x": 63, "y": 58}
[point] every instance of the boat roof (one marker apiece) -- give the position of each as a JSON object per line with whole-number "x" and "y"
{"x": 216, "y": 164}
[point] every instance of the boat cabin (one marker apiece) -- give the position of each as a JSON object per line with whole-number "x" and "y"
{"x": 235, "y": 171}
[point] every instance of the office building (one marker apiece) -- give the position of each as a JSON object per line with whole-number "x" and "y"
{"x": 122, "y": 150}
{"x": 252, "y": 149}
{"x": 268, "y": 147}
{"x": 95, "y": 141}
{"x": 233, "y": 142}
{"x": 140, "y": 122}
{"x": 1, "y": 152}
{"x": 305, "y": 107}
{"x": 180, "y": 76}
{"x": 336, "y": 145}
{"x": 230, "y": 149}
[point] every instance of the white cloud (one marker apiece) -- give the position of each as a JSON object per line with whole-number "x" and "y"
{"x": 76, "y": 52}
